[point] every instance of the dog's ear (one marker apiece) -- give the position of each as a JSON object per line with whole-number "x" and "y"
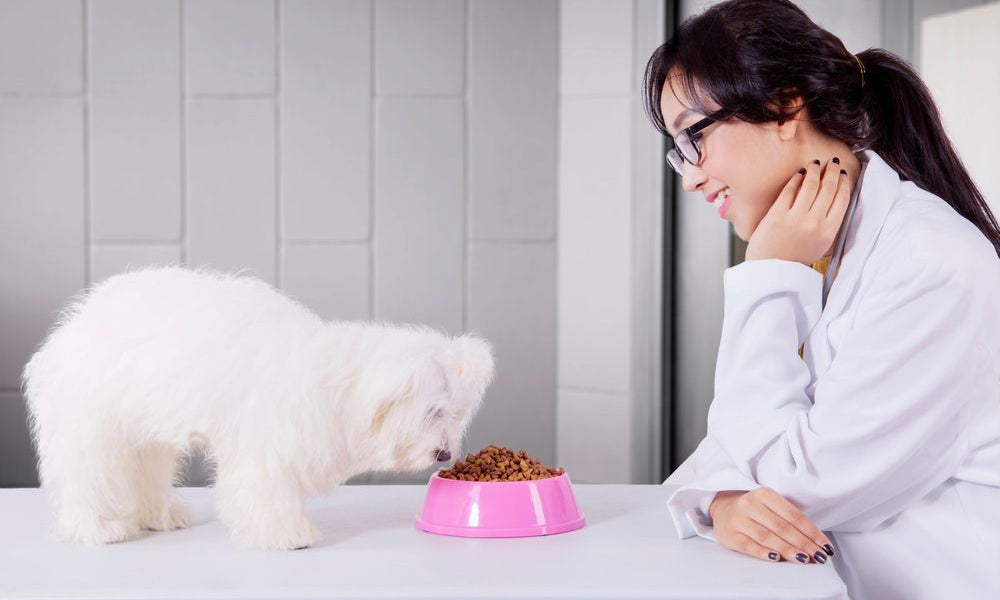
{"x": 469, "y": 369}
{"x": 389, "y": 394}
{"x": 380, "y": 413}
{"x": 414, "y": 381}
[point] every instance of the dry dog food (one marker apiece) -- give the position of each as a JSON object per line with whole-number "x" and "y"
{"x": 496, "y": 463}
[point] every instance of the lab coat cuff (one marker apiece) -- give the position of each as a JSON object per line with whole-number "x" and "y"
{"x": 689, "y": 511}
{"x": 689, "y": 505}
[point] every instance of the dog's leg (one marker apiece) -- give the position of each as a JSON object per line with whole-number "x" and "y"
{"x": 94, "y": 485}
{"x": 160, "y": 509}
{"x": 263, "y": 508}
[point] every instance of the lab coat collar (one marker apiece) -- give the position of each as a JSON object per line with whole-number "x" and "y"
{"x": 880, "y": 187}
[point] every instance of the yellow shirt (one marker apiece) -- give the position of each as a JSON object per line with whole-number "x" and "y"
{"x": 823, "y": 264}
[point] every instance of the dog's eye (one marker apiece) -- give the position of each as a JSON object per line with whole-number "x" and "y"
{"x": 438, "y": 414}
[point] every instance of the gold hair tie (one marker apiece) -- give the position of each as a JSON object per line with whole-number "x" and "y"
{"x": 862, "y": 67}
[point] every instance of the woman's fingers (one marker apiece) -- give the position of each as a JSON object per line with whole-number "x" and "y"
{"x": 791, "y": 189}
{"x": 838, "y": 208}
{"x": 818, "y": 188}
{"x": 794, "y": 543}
{"x": 830, "y": 184}
{"x": 768, "y": 537}
{"x": 809, "y": 188}
{"x": 775, "y": 531}
{"x": 791, "y": 514}
{"x": 747, "y": 545}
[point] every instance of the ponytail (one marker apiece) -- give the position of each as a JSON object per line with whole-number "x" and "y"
{"x": 905, "y": 129}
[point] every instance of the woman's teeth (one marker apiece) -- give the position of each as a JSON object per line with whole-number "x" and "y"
{"x": 720, "y": 198}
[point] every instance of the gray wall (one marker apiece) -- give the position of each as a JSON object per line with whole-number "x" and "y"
{"x": 438, "y": 161}
{"x": 704, "y": 241}
{"x": 610, "y": 243}
{"x": 957, "y": 48}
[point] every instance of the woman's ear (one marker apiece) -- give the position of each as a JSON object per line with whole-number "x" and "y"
{"x": 795, "y": 108}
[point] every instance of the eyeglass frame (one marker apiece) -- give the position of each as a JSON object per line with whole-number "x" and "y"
{"x": 693, "y": 134}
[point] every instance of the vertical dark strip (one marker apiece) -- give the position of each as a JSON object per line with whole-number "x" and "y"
{"x": 668, "y": 335}
{"x": 737, "y": 248}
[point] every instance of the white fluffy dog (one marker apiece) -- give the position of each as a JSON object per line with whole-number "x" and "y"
{"x": 149, "y": 365}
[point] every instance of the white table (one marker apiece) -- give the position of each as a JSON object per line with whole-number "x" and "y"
{"x": 371, "y": 549}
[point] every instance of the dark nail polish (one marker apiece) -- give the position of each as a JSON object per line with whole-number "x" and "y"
{"x": 820, "y": 558}
{"x": 828, "y": 548}
{"x": 802, "y": 557}
{"x": 843, "y": 172}
{"x": 802, "y": 171}
{"x": 772, "y": 555}
{"x": 836, "y": 160}
{"x": 816, "y": 161}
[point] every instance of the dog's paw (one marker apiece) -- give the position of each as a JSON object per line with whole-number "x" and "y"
{"x": 167, "y": 518}
{"x": 274, "y": 537}
{"x": 94, "y": 531}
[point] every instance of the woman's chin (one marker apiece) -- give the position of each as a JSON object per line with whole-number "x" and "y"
{"x": 739, "y": 232}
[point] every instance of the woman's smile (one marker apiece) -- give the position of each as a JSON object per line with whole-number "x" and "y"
{"x": 720, "y": 199}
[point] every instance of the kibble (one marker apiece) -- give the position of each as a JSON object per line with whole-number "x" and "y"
{"x": 496, "y": 463}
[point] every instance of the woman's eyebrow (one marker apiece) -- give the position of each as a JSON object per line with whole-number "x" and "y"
{"x": 680, "y": 117}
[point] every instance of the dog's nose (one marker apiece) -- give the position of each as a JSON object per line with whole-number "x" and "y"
{"x": 443, "y": 455}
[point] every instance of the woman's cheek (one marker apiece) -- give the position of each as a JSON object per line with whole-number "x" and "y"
{"x": 748, "y": 215}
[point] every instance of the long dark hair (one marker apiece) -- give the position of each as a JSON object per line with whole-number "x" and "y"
{"x": 753, "y": 57}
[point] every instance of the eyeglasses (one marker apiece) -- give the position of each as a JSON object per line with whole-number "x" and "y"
{"x": 686, "y": 148}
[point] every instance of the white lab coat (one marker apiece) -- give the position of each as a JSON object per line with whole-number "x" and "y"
{"x": 887, "y": 432}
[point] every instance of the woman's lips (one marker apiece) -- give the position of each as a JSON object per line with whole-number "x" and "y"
{"x": 721, "y": 200}
{"x": 724, "y": 207}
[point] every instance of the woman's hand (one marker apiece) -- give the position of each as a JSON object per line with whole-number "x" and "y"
{"x": 803, "y": 222}
{"x": 765, "y": 525}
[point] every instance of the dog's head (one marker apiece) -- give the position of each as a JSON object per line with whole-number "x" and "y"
{"x": 424, "y": 398}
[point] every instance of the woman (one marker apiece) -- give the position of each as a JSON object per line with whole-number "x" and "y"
{"x": 857, "y": 389}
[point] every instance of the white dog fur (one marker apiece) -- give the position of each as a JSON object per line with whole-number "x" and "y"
{"x": 150, "y": 365}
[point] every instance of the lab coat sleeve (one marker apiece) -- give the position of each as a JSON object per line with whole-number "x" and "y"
{"x": 713, "y": 472}
{"x": 795, "y": 302}
{"x": 884, "y": 424}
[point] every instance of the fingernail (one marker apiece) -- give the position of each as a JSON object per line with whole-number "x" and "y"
{"x": 802, "y": 557}
{"x": 816, "y": 161}
{"x": 843, "y": 172}
{"x": 828, "y": 548}
{"x": 820, "y": 558}
{"x": 836, "y": 160}
{"x": 802, "y": 171}
{"x": 772, "y": 555}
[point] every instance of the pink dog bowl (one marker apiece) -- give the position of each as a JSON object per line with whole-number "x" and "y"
{"x": 499, "y": 508}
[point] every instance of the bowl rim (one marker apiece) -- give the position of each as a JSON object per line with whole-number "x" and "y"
{"x": 565, "y": 475}
{"x": 512, "y": 532}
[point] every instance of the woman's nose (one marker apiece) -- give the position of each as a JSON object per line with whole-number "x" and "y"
{"x": 692, "y": 177}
